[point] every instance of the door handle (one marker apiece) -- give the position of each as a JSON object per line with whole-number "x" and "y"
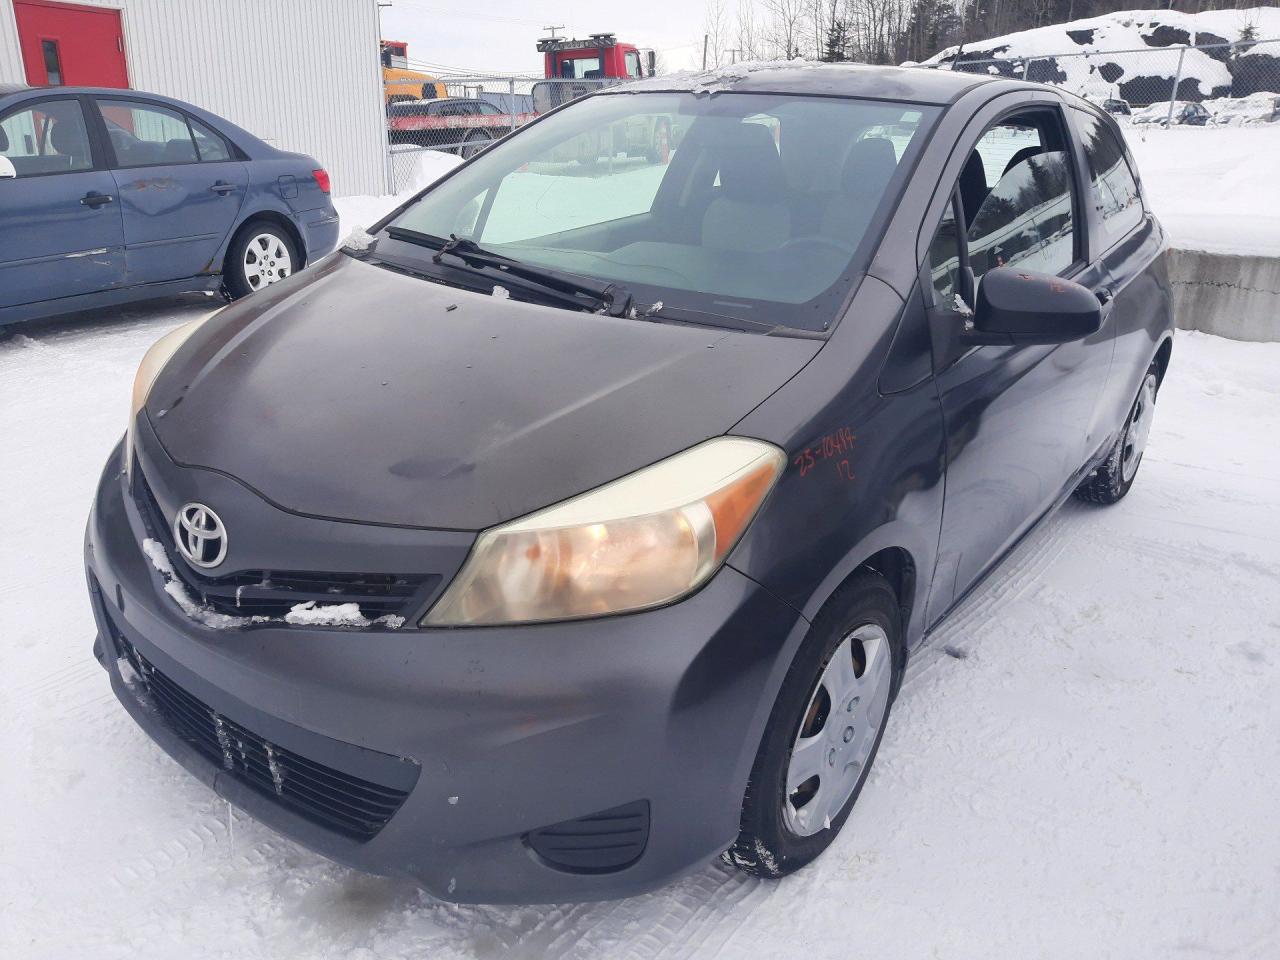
{"x": 222, "y": 187}
{"x": 95, "y": 199}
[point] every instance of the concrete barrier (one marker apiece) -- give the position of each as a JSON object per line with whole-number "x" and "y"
{"x": 1231, "y": 296}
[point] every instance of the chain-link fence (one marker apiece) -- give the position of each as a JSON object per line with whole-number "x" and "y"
{"x": 1218, "y": 83}
{"x": 1203, "y": 85}
{"x": 464, "y": 114}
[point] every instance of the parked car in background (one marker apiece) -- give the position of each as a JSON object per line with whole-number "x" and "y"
{"x": 638, "y": 488}
{"x": 1117, "y": 107}
{"x": 109, "y": 196}
{"x": 1185, "y": 113}
{"x": 455, "y": 125}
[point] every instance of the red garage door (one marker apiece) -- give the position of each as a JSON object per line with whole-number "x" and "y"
{"x": 65, "y": 44}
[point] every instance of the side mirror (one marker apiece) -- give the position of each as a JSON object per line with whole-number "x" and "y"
{"x": 7, "y": 169}
{"x": 1020, "y": 307}
{"x": 652, "y": 57}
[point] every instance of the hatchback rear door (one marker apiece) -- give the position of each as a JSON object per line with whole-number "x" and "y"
{"x": 180, "y": 185}
{"x": 60, "y": 224}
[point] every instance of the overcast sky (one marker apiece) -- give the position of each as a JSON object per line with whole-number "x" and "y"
{"x": 500, "y": 35}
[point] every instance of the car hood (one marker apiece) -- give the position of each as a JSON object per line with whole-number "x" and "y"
{"x": 353, "y": 392}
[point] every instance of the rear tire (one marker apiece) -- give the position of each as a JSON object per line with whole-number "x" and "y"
{"x": 260, "y": 254}
{"x": 471, "y": 145}
{"x": 824, "y": 731}
{"x": 1115, "y": 475}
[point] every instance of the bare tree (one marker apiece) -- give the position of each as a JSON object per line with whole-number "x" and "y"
{"x": 715, "y": 28}
{"x": 784, "y": 26}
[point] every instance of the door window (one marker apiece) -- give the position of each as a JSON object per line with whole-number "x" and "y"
{"x": 1016, "y": 194}
{"x": 46, "y": 137}
{"x": 944, "y": 260}
{"x": 209, "y": 145}
{"x": 146, "y": 135}
{"x": 633, "y": 64}
{"x": 1113, "y": 187}
{"x": 1026, "y": 219}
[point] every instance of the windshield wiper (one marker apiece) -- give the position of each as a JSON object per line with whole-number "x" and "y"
{"x": 614, "y": 299}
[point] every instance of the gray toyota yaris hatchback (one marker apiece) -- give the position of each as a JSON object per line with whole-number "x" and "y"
{"x": 574, "y": 526}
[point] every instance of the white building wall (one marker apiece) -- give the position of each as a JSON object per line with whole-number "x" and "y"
{"x": 302, "y": 75}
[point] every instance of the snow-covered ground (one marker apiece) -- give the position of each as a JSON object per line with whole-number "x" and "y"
{"x": 1092, "y": 770}
{"x": 1214, "y": 188}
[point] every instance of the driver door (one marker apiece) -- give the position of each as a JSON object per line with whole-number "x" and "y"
{"x": 1018, "y": 418}
{"x": 60, "y": 227}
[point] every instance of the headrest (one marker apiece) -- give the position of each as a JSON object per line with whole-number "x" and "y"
{"x": 750, "y": 168}
{"x": 870, "y": 166}
{"x": 1021, "y": 155}
{"x": 68, "y": 140}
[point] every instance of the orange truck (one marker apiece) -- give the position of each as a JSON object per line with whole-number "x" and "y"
{"x": 400, "y": 82}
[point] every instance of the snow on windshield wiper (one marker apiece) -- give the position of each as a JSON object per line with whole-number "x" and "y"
{"x": 615, "y": 299}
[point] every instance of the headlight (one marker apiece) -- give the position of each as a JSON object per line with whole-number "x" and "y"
{"x": 153, "y": 362}
{"x": 638, "y": 542}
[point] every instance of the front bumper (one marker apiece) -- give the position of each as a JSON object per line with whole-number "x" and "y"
{"x": 511, "y": 729}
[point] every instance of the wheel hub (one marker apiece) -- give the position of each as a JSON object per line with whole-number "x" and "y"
{"x": 828, "y": 755}
{"x": 1138, "y": 430}
{"x": 266, "y": 261}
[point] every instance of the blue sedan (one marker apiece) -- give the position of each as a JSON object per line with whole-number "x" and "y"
{"x": 110, "y": 196}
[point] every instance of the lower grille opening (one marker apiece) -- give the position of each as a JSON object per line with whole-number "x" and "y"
{"x": 338, "y": 801}
{"x": 600, "y": 843}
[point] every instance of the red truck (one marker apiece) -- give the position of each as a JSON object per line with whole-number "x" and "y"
{"x": 574, "y": 68}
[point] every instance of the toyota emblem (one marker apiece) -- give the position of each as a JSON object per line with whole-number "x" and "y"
{"x": 200, "y": 535}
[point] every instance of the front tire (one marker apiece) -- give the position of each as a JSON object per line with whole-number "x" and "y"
{"x": 473, "y": 144}
{"x": 824, "y": 731}
{"x": 1114, "y": 477}
{"x": 260, "y": 254}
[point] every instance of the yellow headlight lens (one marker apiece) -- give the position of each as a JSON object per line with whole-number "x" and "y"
{"x": 153, "y": 361}
{"x": 638, "y": 542}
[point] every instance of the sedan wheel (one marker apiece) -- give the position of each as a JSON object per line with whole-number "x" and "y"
{"x": 266, "y": 260}
{"x": 1139, "y": 428}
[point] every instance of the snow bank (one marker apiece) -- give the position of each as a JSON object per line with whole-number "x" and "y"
{"x": 1215, "y": 189}
{"x": 425, "y": 167}
{"x": 1141, "y": 77}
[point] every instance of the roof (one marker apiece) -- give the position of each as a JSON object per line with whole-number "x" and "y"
{"x": 914, "y": 84}
{"x": 7, "y": 88}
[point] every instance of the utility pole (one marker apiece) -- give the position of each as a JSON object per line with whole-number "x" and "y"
{"x": 735, "y": 51}
{"x": 552, "y": 30}
{"x": 705, "y": 38}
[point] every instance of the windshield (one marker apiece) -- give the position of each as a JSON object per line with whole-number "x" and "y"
{"x": 752, "y": 206}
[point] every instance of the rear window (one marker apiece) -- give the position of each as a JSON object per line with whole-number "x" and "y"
{"x": 760, "y": 207}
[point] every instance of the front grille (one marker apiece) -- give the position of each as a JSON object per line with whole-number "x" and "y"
{"x": 601, "y": 843}
{"x": 341, "y": 802}
{"x": 273, "y": 593}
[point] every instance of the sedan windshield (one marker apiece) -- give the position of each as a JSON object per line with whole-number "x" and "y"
{"x": 760, "y": 208}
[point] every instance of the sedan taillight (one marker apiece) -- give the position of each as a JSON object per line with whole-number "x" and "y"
{"x": 322, "y": 178}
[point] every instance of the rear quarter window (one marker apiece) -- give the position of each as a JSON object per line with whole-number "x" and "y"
{"x": 1113, "y": 187}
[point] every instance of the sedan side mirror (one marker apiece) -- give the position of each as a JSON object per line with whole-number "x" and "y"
{"x": 1020, "y": 307}
{"x": 7, "y": 169}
